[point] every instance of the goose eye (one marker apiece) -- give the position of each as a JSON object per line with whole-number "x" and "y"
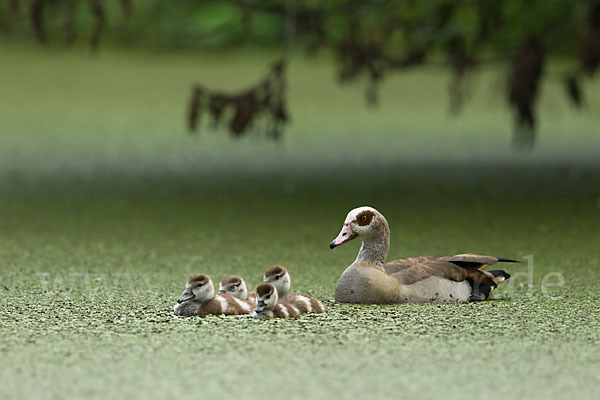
{"x": 364, "y": 218}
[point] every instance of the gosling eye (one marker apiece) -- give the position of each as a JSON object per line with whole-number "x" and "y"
{"x": 268, "y": 297}
{"x": 233, "y": 288}
{"x": 277, "y": 277}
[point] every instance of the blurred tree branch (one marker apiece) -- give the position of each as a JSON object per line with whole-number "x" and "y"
{"x": 377, "y": 38}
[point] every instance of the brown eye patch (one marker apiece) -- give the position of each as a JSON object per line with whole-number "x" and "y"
{"x": 264, "y": 289}
{"x": 198, "y": 278}
{"x": 364, "y": 218}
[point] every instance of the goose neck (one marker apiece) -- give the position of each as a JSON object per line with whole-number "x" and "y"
{"x": 374, "y": 250}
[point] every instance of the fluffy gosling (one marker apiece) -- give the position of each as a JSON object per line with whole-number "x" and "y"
{"x": 236, "y": 287}
{"x": 280, "y": 278}
{"x": 199, "y": 298}
{"x": 268, "y": 306}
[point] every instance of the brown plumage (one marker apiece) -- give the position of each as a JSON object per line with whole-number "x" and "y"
{"x": 369, "y": 279}
{"x": 305, "y": 303}
{"x": 275, "y": 270}
{"x": 199, "y": 299}
{"x": 269, "y": 306}
{"x": 280, "y": 278}
{"x": 462, "y": 267}
{"x": 224, "y": 304}
{"x": 236, "y": 286}
{"x": 198, "y": 278}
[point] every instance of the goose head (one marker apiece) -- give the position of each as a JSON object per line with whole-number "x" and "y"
{"x": 198, "y": 288}
{"x": 365, "y": 223}
{"x": 266, "y": 297}
{"x": 369, "y": 225}
{"x": 278, "y": 277}
{"x": 235, "y": 286}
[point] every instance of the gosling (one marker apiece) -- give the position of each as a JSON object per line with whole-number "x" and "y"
{"x": 199, "y": 298}
{"x": 280, "y": 278}
{"x": 236, "y": 287}
{"x": 268, "y": 306}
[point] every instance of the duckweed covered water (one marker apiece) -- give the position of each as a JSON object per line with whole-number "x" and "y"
{"x": 97, "y": 241}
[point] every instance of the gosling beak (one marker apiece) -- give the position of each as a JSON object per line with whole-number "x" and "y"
{"x": 186, "y": 295}
{"x": 260, "y": 306}
{"x": 345, "y": 235}
{"x": 223, "y": 291}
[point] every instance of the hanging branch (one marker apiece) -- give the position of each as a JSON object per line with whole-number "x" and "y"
{"x": 127, "y": 7}
{"x": 14, "y": 7}
{"x": 372, "y": 40}
{"x": 100, "y": 18}
{"x": 240, "y": 112}
{"x": 461, "y": 63}
{"x": 70, "y": 22}
{"x": 589, "y": 56}
{"x": 36, "y": 16}
{"x": 526, "y": 72}
{"x": 265, "y": 101}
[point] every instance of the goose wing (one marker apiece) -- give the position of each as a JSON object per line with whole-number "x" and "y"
{"x": 466, "y": 261}
{"x": 456, "y": 268}
{"x": 396, "y": 266}
{"x": 475, "y": 261}
{"x": 428, "y": 268}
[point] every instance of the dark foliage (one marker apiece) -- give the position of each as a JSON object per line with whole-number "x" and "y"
{"x": 523, "y": 86}
{"x": 589, "y": 56}
{"x": 241, "y": 112}
{"x": 36, "y": 14}
{"x": 97, "y": 9}
{"x": 373, "y": 39}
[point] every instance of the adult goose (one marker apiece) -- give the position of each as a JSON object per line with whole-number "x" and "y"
{"x": 370, "y": 280}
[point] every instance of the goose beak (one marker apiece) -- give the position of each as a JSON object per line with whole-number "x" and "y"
{"x": 345, "y": 235}
{"x": 260, "y": 306}
{"x": 187, "y": 295}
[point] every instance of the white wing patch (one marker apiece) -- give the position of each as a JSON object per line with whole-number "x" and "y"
{"x": 306, "y": 301}
{"x": 320, "y": 306}
{"x": 284, "y": 310}
{"x": 294, "y": 309}
{"x": 243, "y": 305}
{"x": 224, "y": 303}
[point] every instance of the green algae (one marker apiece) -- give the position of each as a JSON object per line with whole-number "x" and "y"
{"x": 92, "y": 261}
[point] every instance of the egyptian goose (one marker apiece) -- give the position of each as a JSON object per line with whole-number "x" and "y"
{"x": 280, "y": 278}
{"x": 199, "y": 298}
{"x": 269, "y": 306}
{"x": 369, "y": 280}
{"x": 236, "y": 287}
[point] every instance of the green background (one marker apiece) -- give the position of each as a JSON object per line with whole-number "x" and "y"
{"x": 108, "y": 204}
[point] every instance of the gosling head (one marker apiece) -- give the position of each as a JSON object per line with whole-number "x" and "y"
{"x": 365, "y": 223}
{"x": 266, "y": 297}
{"x": 198, "y": 288}
{"x": 235, "y": 286}
{"x": 279, "y": 277}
